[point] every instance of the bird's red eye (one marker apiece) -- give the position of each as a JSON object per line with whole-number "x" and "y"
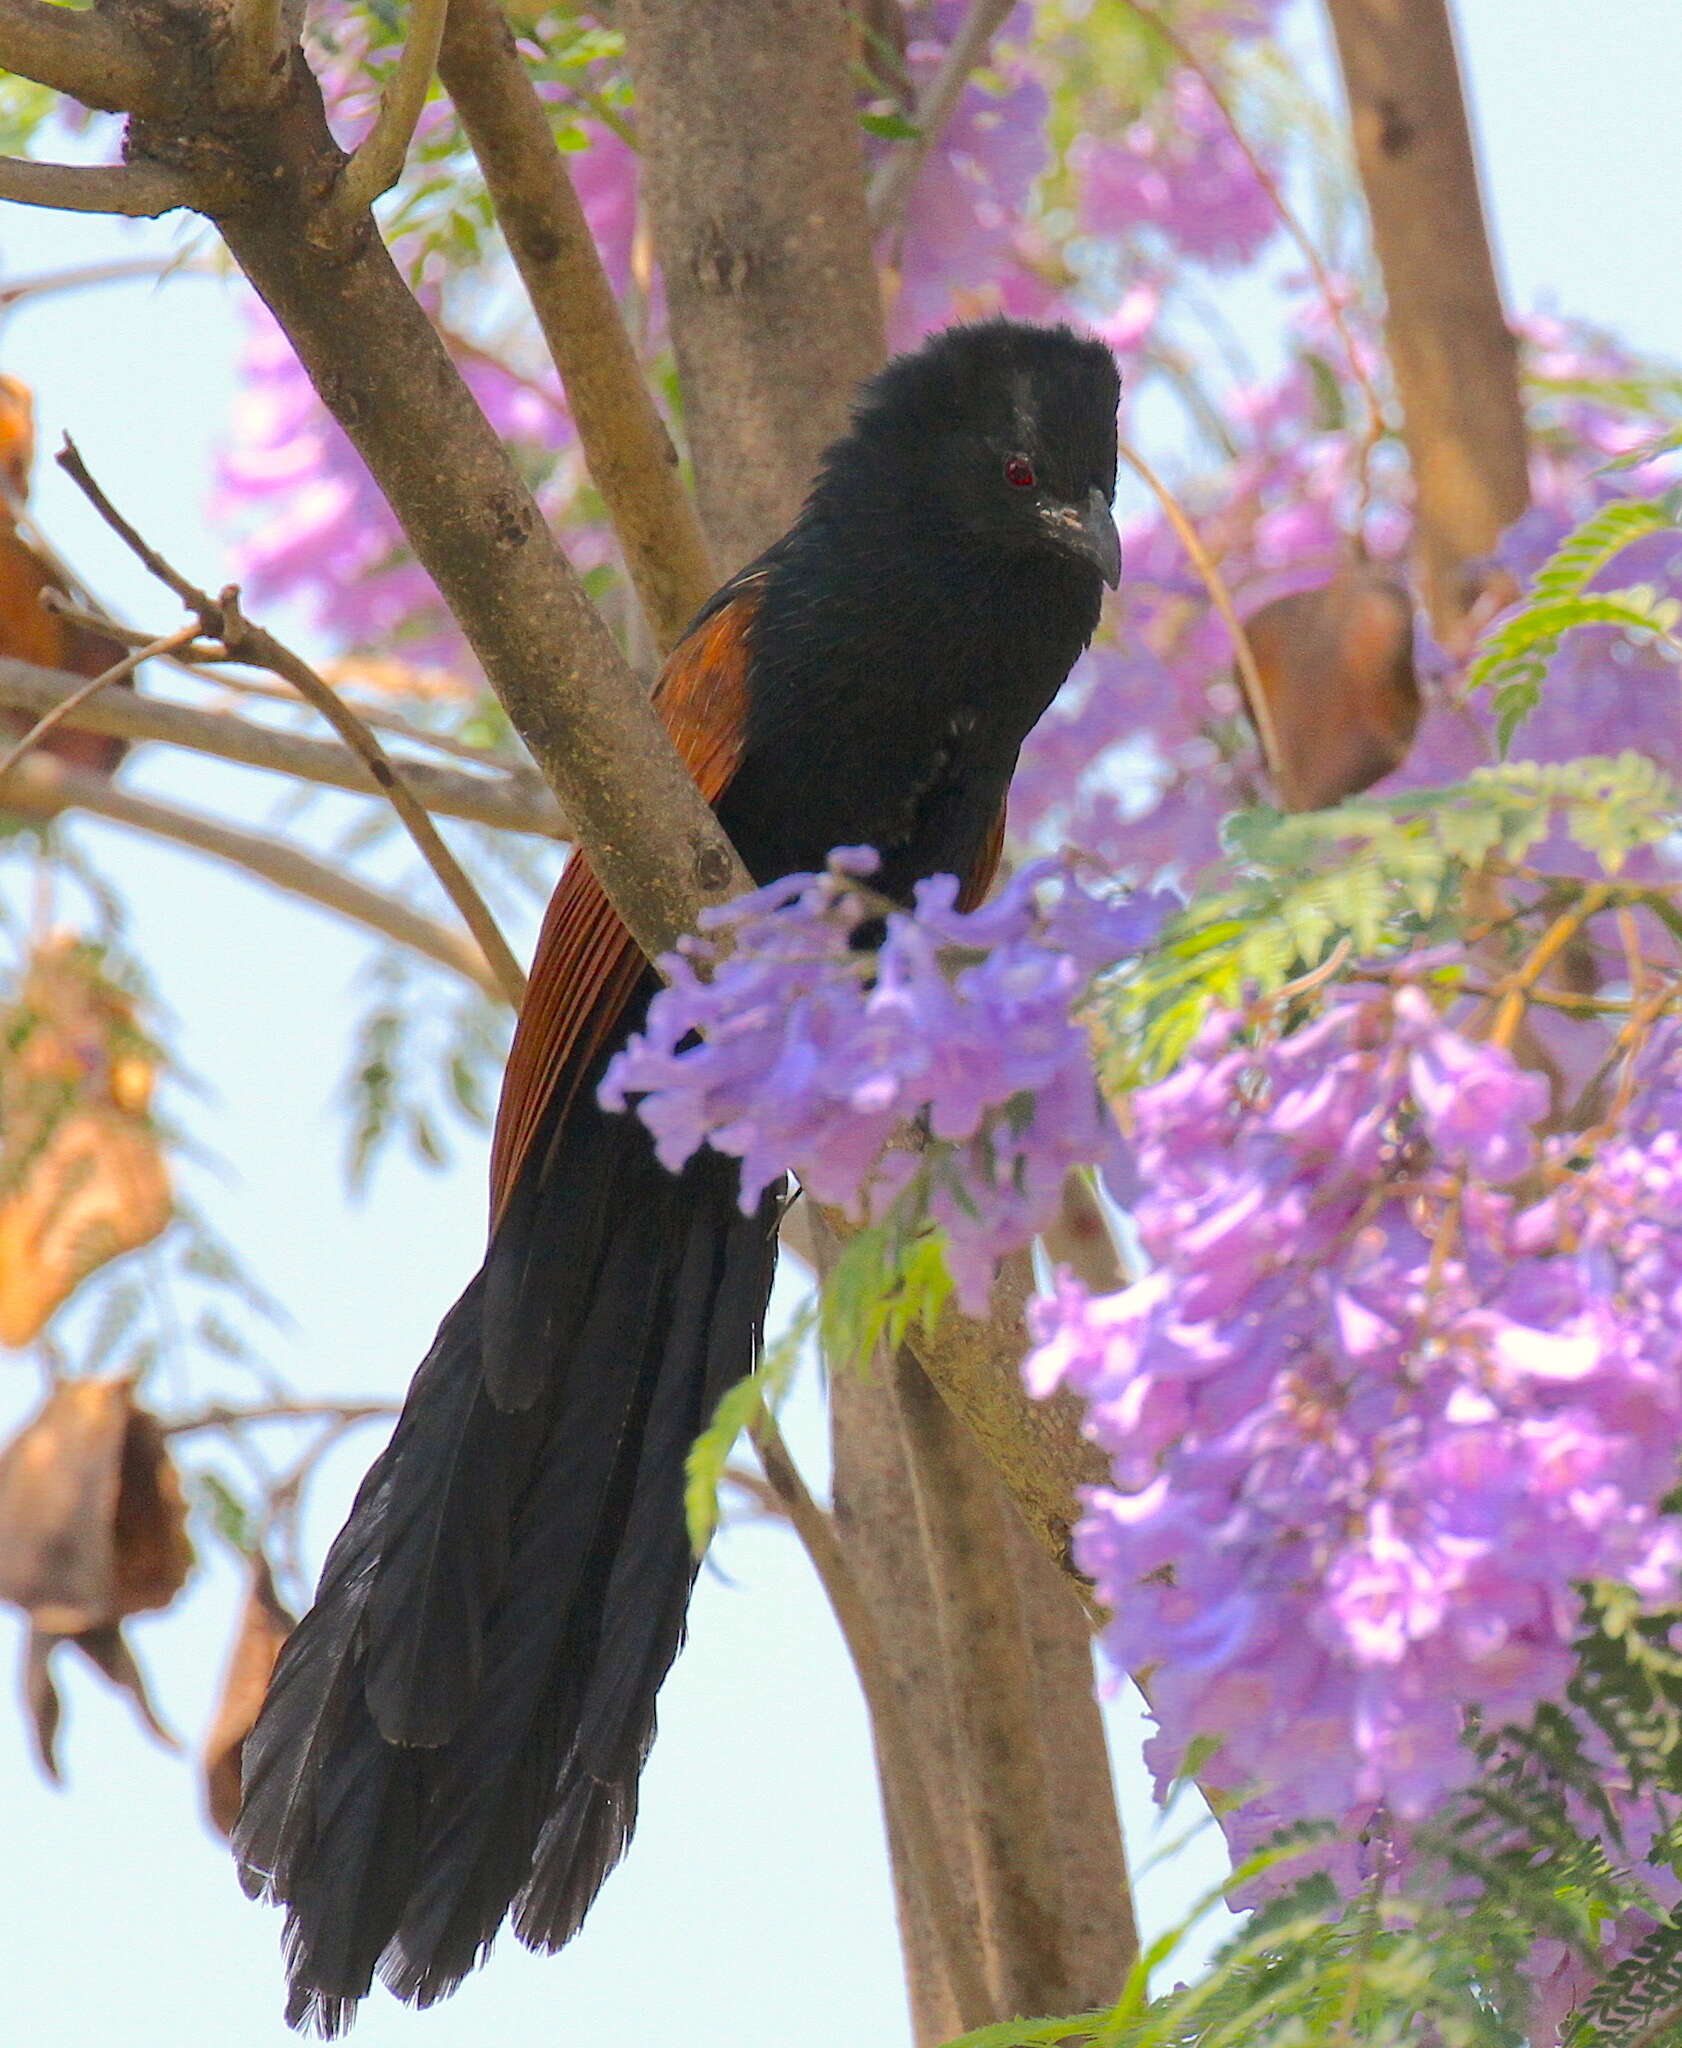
{"x": 1019, "y": 471}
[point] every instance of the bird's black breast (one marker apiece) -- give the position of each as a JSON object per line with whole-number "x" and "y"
{"x": 888, "y": 703}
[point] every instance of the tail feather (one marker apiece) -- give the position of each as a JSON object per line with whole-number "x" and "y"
{"x": 644, "y": 1601}
{"x": 495, "y": 1783}
{"x": 459, "y": 1723}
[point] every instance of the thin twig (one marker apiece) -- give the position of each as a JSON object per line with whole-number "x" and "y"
{"x": 891, "y": 186}
{"x": 1254, "y": 692}
{"x": 760, "y": 1491}
{"x": 897, "y": 1747}
{"x": 225, "y": 1415}
{"x": 118, "y": 270}
{"x": 251, "y": 643}
{"x": 199, "y": 653}
{"x": 136, "y": 191}
{"x": 510, "y": 800}
{"x": 118, "y": 672}
{"x": 221, "y": 618}
{"x": 378, "y": 162}
{"x": 1516, "y": 987}
{"x": 1299, "y": 235}
{"x": 44, "y": 788}
{"x": 194, "y": 660}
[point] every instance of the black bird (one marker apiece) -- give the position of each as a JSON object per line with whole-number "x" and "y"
{"x": 457, "y": 1727}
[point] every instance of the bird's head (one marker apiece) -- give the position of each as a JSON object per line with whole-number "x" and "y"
{"x": 1001, "y": 433}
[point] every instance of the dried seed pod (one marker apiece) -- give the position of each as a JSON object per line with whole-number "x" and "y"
{"x": 93, "y": 1527}
{"x": 1337, "y": 665}
{"x": 263, "y": 1628}
{"x": 82, "y": 1172}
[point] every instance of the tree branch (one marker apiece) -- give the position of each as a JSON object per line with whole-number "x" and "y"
{"x": 90, "y": 55}
{"x": 515, "y": 802}
{"x": 626, "y": 445}
{"x": 898, "y": 1749}
{"x": 1036, "y": 1447}
{"x": 775, "y": 311}
{"x": 221, "y": 618}
{"x": 116, "y": 270}
{"x": 1275, "y": 193}
{"x": 140, "y": 191}
{"x": 118, "y": 672}
{"x": 1039, "y": 1957}
{"x": 891, "y": 187}
{"x": 254, "y": 49}
{"x": 472, "y": 523}
{"x": 1455, "y": 358}
{"x": 43, "y": 788}
{"x": 200, "y": 659}
{"x": 1249, "y": 675}
{"x": 250, "y": 643}
{"x": 221, "y": 1415}
{"x": 378, "y": 162}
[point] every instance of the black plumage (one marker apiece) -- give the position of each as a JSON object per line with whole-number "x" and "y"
{"x": 457, "y": 1728}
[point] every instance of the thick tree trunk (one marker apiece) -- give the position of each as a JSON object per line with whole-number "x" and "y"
{"x": 1455, "y": 358}
{"x": 776, "y": 317}
{"x": 755, "y": 179}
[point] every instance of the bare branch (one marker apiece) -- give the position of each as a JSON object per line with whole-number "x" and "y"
{"x": 514, "y": 802}
{"x": 43, "y": 788}
{"x": 141, "y": 191}
{"x": 897, "y": 1747}
{"x": 378, "y": 162}
{"x": 629, "y": 452}
{"x": 474, "y": 527}
{"x": 251, "y": 643}
{"x": 92, "y": 56}
{"x": 117, "y": 270}
{"x": 1270, "y": 185}
{"x": 1255, "y": 693}
{"x": 118, "y": 672}
{"x": 196, "y": 659}
{"x": 221, "y": 618}
{"x": 891, "y": 186}
{"x": 1455, "y": 358}
{"x": 223, "y": 1415}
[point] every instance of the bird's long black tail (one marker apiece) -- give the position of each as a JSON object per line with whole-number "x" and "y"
{"x": 457, "y": 1727}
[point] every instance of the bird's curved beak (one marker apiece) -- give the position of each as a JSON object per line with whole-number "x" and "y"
{"x": 1089, "y": 532}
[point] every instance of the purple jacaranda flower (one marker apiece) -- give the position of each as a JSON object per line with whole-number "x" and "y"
{"x": 1373, "y": 1418}
{"x": 798, "y": 1053}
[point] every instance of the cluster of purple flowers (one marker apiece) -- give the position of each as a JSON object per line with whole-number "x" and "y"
{"x": 1401, "y": 1380}
{"x": 783, "y": 1044}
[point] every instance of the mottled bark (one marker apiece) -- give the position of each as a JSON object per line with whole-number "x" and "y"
{"x": 1454, "y": 356}
{"x": 755, "y": 183}
{"x": 630, "y": 454}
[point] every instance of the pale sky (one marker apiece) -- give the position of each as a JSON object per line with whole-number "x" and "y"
{"x": 754, "y": 1908}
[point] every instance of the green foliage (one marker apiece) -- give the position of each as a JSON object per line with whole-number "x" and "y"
{"x": 760, "y": 1394}
{"x": 1374, "y": 876}
{"x": 1515, "y": 654}
{"x": 417, "y": 1064}
{"x": 884, "y": 1285}
{"x": 24, "y": 107}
